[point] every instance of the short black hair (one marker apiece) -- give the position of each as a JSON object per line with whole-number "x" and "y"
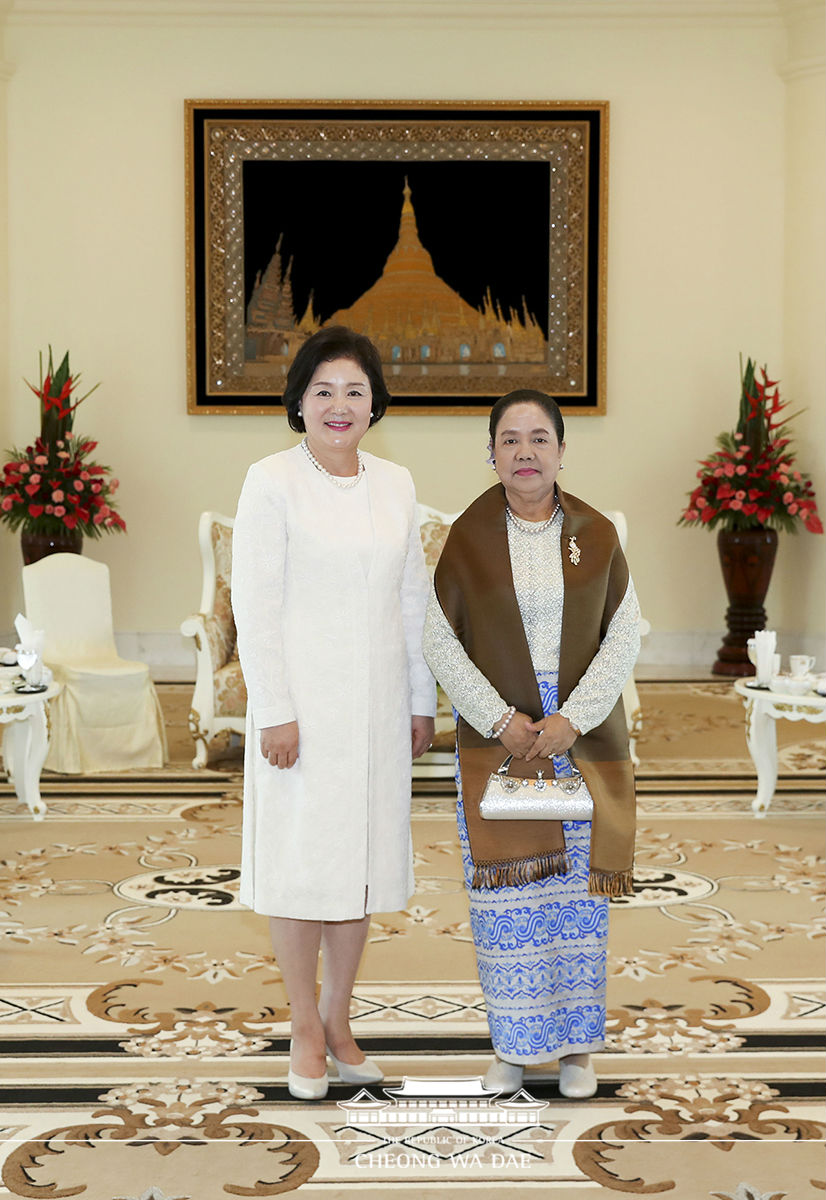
{"x": 334, "y": 341}
{"x": 527, "y": 396}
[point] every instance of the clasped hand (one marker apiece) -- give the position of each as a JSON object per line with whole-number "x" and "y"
{"x": 529, "y": 739}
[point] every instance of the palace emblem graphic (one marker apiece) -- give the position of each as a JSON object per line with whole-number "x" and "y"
{"x": 434, "y": 1122}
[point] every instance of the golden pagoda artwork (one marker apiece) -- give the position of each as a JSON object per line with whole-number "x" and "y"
{"x": 410, "y": 313}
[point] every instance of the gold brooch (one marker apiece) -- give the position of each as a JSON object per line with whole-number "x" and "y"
{"x": 574, "y": 552}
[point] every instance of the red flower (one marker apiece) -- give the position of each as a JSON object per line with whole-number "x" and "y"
{"x": 35, "y": 510}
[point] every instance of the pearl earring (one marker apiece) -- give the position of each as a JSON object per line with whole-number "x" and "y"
{"x": 300, "y": 413}
{"x": 562, "y": 466}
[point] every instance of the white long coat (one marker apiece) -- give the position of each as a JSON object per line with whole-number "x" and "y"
{"x": 329, "y": 635}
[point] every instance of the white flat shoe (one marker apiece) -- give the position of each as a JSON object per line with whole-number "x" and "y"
{"x": 575, "y": 1082}
{"x": 505, "y": 1076}
{"x": 364, "y": 1072}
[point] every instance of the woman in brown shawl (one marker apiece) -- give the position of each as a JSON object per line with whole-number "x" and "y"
{"x": 532, "y": 630}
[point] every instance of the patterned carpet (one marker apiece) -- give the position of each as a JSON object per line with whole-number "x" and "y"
{"x": 144, "y": 1026}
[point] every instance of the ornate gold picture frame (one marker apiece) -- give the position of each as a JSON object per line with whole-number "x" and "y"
{"x": 468, "y": 240}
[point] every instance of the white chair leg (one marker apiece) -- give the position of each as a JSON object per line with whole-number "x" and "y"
{"x": 199, "y": 736}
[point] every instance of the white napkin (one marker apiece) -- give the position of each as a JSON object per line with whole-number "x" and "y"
{"x": 765, "y": 641}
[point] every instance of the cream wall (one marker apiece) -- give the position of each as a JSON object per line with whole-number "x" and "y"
{"x": 705, "y": 164}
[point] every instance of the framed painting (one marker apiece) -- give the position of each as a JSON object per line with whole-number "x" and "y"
{"x": 467, "y": 240}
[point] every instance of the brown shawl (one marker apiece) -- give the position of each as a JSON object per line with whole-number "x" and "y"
{"x": 474, "y": 585}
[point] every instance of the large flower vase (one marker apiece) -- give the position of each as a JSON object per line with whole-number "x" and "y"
{"x": 747, "y": 558}
{"x": 38, "y": 545}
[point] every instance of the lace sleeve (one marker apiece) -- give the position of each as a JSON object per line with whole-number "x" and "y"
{"x": 467, "y": 688}
{"x": 601, "y": 686}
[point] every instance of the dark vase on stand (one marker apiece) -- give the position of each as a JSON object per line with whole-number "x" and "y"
{"x": 747, "y": 558}
{"x": 38, "y": 545}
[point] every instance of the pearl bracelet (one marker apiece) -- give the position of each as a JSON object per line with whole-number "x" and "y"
{"x": 509, "y": 715}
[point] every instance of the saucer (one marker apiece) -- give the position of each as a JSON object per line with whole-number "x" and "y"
{"x": 27, "y": 689}
{"x": 790, "y": 684}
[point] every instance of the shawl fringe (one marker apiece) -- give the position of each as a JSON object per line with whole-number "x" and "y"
{"x": 519, "y": 871}
{"x": 611, "y": 883}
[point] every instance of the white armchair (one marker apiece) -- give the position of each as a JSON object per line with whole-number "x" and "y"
{"x": 107, "y": 717}
{"x": 219, "y": 701}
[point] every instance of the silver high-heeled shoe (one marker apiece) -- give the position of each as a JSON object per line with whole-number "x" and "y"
{"x": 301, "y": 1087}
{"x": 365, "y": 1072}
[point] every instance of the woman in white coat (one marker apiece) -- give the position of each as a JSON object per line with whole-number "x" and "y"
{"x": 329, "y": 591}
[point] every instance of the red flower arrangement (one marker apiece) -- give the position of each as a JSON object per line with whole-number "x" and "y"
{"x": 751, "y": 481}
{"x": 53, "y": 485}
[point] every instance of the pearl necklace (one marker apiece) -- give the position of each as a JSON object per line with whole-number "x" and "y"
{"x": 531, "y": 526}
{"x": 341, "y": 481}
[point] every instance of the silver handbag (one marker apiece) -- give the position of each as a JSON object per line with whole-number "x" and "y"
{"x": 560, "y": 798}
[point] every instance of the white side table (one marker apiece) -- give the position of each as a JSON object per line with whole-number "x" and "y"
{"x": 763, "y": 708}
{"x": 26, "y": 742}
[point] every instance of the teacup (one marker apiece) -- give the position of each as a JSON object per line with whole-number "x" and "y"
{"x": 801, "y": 664}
